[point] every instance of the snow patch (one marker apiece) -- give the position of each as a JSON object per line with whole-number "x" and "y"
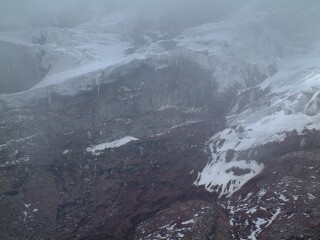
{"x": 188, "y": 222}
{"x": 114, "y": 144}
{"x": 261, "y": 193}
{"x": 283, "y": 198}
{"x": 311, "y": 196}
{"x": 261, "y": 223}
{"x": 219, "y": 176}
{"x": 66, "y": 151}
{"x": 27, "y": 205}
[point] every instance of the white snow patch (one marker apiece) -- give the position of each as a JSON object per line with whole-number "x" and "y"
{"x": 114, "y": 144}
{"x": 171, "y": 232}
{"x": 283, "y": 198}
{"x": 291, "y": 215}
{"x": 274, "y": 216}
{"x": 261, "y": 193}
{"x": 260, "y": 222}
{"x": 311, "y": 196}
{"x": 180, "y": 235}
{"x": 25, "y": 215}
{"x": 219, "y": 174}
{"x": 252, "y": 210}
{"x": 27, "y": 205}
{"x": 66, "y": 151}
{"x": 247, "y": 197}
{"x": 162, "y": 108}
{"x": 188, "y": 222}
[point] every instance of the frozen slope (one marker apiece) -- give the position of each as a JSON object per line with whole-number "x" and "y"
{"x": 72, "y": 52}
{"x": 291, "y": 104}
{"x": 264, "y": 112}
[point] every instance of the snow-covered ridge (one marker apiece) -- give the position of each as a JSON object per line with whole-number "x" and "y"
{"x": 108, "y": 40}
{"x": 96, "y": 149}
{"x": 286, "y": 101}
{"x": 95, "y": 74}
{"x": 69, "y": 53}
{"x": 291, "y": 104}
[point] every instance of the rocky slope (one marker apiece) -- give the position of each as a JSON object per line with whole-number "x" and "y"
{"x": 129, "y": 129}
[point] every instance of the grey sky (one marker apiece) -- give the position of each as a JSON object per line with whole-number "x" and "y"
{"x": 42, "y": 12}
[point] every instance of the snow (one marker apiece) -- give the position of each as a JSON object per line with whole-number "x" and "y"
{"x": 269, "y": 128}
{"x": 187, "y": 123}
{"x": 311, "y": 196}
{"x": 247, "y": 197}
{"x": 259, "y": 224}
{"x": 25, "y": 215}
{"x": 188, "y": 222}
{"x": 220, "y": 174}
{"x": 183, "y": 109}
{"x": 180, "y": 235}
{"x": 252, "y": 210}
{"x": 66, "y": 151}
{"x": 290, "y": 104}
{"x": 261, "y": 193}
{"x": 71, "y": 53}
{"x": 283, "y": 198}
{"x": 114, "y": 144}
{"x": 274, "y": 216}
{"x": 264, "y": 123}
{"x": 162, "y": 108}
{"x": 291, "y": 215}
{"x": 95, "y": 56}
{"x": 71, "y": 73}
{"x": 27, "y": 205}
{"x": 169, "y": 231}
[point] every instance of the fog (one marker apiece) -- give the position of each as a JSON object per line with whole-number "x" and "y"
{"x": 68, "y": 13}
{"x": 167, "y": 15}
{"x": 134, "y": 24}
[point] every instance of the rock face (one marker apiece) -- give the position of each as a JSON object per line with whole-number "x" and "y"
{"x": 52, "y": 185}
{"x": 133, "y": 129}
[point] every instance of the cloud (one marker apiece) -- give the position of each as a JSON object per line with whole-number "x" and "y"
{"x": 66, "y": 13}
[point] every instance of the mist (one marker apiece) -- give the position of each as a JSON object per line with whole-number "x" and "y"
{"x": 167, "y": 15}
{"x": 68, "y": 13}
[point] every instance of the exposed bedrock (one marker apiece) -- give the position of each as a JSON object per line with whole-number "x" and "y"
{"x": 51, "y": 185}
